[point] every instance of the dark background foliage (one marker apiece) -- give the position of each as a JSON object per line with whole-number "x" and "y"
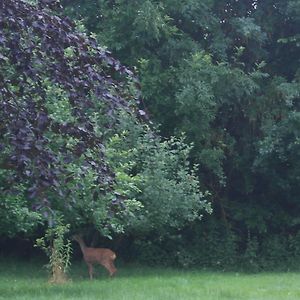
{"x": 226, "y": 74}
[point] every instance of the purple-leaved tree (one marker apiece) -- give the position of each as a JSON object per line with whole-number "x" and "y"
{"x": 47, "y": 66}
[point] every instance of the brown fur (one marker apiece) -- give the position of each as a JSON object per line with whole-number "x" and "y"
{"x": 102, "y": 256}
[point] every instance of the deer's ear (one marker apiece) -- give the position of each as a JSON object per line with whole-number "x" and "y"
{"x": 75, "y": 237}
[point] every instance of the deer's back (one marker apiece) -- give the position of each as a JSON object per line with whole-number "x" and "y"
{"x": 94, "y": 255}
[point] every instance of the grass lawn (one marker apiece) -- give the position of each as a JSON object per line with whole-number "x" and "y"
{"x": 28, "y": 280}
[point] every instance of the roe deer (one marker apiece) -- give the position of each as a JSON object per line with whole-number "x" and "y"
{"x": 102, "y": 256}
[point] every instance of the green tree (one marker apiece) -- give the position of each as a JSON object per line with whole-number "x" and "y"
{"x": 227, "y": 74}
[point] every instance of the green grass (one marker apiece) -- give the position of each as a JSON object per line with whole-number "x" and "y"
{"x": 28, "y": 280}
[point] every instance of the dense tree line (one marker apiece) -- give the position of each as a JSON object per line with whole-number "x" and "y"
{"x": 226, "y": 73}
{"x": 220, "y": 82}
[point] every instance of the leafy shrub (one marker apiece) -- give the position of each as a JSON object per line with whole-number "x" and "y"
{"x": 250, "y": 258}
{"x": 58, "y": 250}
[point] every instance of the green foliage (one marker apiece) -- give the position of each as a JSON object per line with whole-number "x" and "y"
{"x": 195, "y": 246}
{"x": 278, "y": 166}
{"x": 16, "y": 216}
{"x": 171, "y": 193}
{"x": 203, "y": 243}
{"x": 250, "y": 259}
{"x": 158, "y": 177}
{"x": 273, "y": 252}
{"x": 247, "y": 29}
{"x": 58, "y": 250}
{"x": 57, "y": 103}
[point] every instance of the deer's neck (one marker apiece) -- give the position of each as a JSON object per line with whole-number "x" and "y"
{"x": 82, "y": 245}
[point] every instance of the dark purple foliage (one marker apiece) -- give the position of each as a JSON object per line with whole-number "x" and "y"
{"x": 32, "y": 47}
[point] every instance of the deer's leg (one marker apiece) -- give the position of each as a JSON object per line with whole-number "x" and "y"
{"x": 91, "y": 270}
{"x": 107, "y": 265}
{"x": 112, "y": 268}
